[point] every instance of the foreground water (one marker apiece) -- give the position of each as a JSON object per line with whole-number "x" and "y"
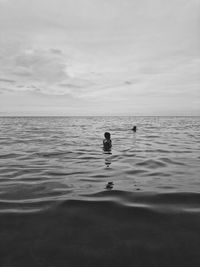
{"x": 55, "y": 208}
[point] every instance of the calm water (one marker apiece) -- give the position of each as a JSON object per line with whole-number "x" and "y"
{"x": 53, "y": 170}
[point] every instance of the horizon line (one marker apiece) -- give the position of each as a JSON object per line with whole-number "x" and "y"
{"x": 39, "y": 116}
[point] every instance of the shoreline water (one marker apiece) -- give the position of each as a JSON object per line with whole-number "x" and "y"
{"x": 100, "y": 233}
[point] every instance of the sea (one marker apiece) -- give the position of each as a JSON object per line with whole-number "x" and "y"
{"x": 64, "y": 201}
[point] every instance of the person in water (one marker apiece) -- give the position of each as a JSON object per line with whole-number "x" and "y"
{"x": 134, "y": 129}
{"x": 107, "y": 142}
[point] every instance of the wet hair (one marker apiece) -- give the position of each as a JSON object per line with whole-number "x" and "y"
{"x": 107, "y": 135}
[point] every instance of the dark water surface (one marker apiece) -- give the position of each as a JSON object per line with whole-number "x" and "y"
{"x": 55, "y": 208}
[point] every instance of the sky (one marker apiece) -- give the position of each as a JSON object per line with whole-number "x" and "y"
{"x": 99, "y": 57}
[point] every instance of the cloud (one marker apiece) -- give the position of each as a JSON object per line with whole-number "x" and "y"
{"x": 34, "y": 66}
{"x": 7, "y": 81}
{"x": 41, "y": 66}
{"x": 117, "y": 52}
{"x": 56, "y": 51}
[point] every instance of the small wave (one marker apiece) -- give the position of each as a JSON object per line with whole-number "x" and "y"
{"x": 50, "y": 154}
{"x": 151, "y": 163}
{"x": 165, "y": 202}
{"x": 10, "y": 156}
{"x": 158, "y": 174}
{"x": 135, "y": 172}
{"x": 170, "y": 161}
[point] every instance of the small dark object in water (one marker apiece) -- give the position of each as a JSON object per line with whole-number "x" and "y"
{"x": 109, "y": 185}
{"x": 107, "y": 143}
{"x": 107, "y": 163}
{"x": 134, "y": 129}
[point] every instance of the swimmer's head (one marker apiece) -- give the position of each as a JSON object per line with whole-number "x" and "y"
{"x": 134, "y": 128}
{"x": 107, "y": 135}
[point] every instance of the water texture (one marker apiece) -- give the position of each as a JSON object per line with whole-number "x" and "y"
{"x": 56, "y": 204}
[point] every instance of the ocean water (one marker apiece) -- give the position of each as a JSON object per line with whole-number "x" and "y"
{"x": 56, "y": 208}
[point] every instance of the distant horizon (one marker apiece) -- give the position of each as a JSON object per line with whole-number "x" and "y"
{"x": 16, "y": 116}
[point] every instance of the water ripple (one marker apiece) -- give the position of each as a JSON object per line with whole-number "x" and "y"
{"x": 58, "y": 159}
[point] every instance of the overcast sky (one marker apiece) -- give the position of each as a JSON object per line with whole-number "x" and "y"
{"x": 99, "y": 57}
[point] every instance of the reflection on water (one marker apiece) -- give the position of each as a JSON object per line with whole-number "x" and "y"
{"x": 108, "y": 160}
{"x": 109, "y": 185}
